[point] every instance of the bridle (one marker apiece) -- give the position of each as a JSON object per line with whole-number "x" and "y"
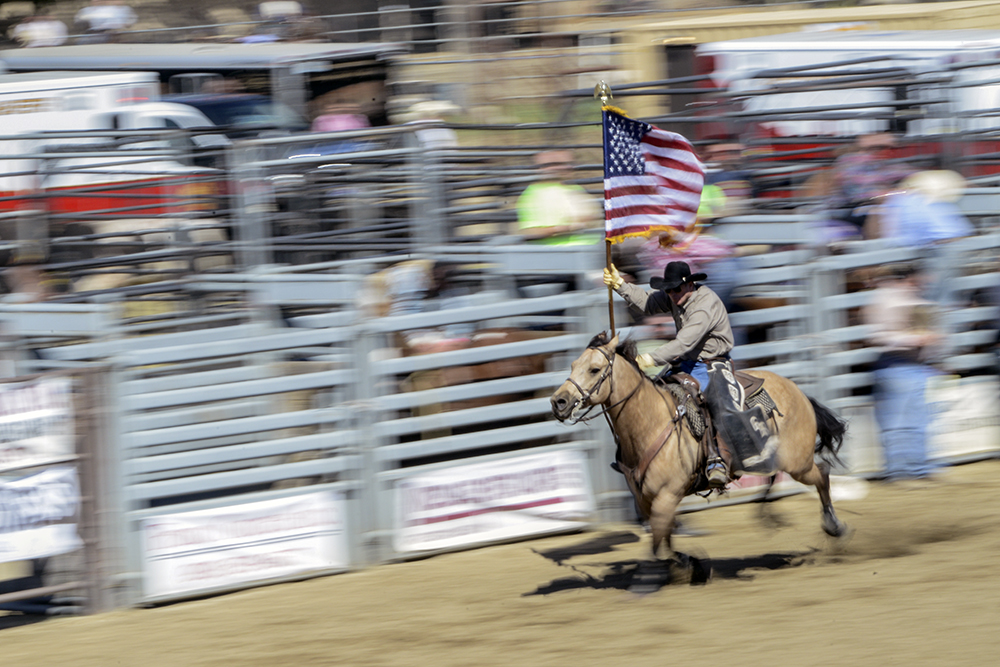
{"x": 606, "y": 374}
{"x": 637, "y": 475}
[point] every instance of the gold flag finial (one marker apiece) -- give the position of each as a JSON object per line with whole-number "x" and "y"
{"x": 602, "y": 91}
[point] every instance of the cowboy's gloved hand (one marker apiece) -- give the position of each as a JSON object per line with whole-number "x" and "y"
{"x": 612, "y": 278}
{"x": 645, "y": 361}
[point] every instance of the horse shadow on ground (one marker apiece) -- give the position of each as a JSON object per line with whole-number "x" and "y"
{"x": 18, "y": 620}
{"x": 646, "y": 575}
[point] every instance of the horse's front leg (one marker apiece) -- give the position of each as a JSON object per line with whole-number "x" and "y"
{"x": 662, "y": 513}
{"x": 652, "y": 575}
{"x": 676, "y": 567}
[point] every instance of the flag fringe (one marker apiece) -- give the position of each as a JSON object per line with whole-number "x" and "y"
{"x": 620, "y": 112}
{"x": 644, "y": 234}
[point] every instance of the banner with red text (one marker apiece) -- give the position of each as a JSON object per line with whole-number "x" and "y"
{"x": 231, "y": 546}
{"x": 487, "y": 502}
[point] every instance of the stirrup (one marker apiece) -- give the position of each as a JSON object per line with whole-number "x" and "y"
{"x": 718, "y": 476}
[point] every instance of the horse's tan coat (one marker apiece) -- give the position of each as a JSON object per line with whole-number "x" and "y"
{"x": 638, "y": 411}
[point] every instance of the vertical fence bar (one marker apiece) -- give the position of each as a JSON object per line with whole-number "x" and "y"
{"x": 254, "y": 206}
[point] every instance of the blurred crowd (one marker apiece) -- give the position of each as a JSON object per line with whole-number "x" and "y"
{"x": 103, "y": 21}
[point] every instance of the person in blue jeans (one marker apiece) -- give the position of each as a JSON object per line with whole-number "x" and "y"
{"x": 703, "y": 332}
{"x": 904, "y": 324}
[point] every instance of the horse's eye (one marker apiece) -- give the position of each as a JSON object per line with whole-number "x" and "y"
{"x": 595, "y": 371}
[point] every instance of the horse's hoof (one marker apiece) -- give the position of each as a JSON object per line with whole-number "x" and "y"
{"x": 834, "y": 527}
{"x": 690, "y": 570}
{"x": 649, "y": 578}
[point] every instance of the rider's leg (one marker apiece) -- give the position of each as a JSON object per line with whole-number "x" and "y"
{"x": 715, "y": 466}
{"x": 715, "y": 469}
{"x": 699, "y": 371}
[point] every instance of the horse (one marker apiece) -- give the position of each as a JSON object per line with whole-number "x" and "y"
{"x": 662, "y": 459}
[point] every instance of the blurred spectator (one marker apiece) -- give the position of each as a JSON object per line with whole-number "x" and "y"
{"x": 40, "y": 29}
{"x": 340, "y": 116}
{"x": 279, "y": 10}
{"x": 861, "y": 177}
{"x": 924, "y": 213}
{"x": 729, "y": 188}
{"x": 104, "y": 20}
{"x": 262, "y": 34}
{"x": 24, "y": 277}
{"x": 284, "y": 20}
{"x": 430, "y": 136}
{"x": 554, "y": 212}
{"x": 418, "y": 286}
{"x": 924, "y": 210}
{"x": 905, "y": 328}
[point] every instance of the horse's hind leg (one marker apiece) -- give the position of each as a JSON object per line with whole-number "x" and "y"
{"x": 820, "y": 478}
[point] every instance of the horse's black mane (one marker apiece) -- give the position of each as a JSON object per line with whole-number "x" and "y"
{"x": 626, "y": 349}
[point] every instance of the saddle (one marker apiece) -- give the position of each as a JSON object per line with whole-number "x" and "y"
{"x": 753, "y": 388}
{"x": 687, "y": 392}
{"x": 751, "y": 407}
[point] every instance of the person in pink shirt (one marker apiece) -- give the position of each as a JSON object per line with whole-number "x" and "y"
{"x": 340, "y": 118}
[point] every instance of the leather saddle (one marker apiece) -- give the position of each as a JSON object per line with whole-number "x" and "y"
{"x": 750, "y": 384}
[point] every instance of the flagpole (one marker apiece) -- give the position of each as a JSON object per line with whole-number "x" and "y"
{"x": 603, "y": 92}
{"x": 611, "y": 300}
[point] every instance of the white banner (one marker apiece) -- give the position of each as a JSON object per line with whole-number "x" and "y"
{"x": 485, "y": 502}
{"x": 38, "y": 515}
{"x": 228, "y": 546}
{"x": 36, "y": 422}
{"x": 966, "y": 416}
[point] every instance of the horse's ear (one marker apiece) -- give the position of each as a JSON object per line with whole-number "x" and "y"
{"x": 613, "y": 343}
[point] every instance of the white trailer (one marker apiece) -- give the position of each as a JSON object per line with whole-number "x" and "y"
{"x": 40, "y": 111}
{"x": 930, "y": 68}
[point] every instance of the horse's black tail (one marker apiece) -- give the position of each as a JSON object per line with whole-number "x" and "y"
{"x": 830, "y": 431}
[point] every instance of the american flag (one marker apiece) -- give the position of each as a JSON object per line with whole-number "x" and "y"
{"x": 652, "y": 179}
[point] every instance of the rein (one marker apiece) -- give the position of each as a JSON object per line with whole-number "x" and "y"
{"x": 634, "y": 476}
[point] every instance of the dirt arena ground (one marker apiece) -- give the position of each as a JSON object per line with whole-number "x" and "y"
{"x": 917, "y": 583}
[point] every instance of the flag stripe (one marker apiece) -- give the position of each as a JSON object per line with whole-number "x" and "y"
{"x": 615, "y": 203}
{"x": 652, "y": 178}
{"x": 652, "y": 186}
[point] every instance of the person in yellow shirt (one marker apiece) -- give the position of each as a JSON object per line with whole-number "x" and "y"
{"x": 553, "y": 211}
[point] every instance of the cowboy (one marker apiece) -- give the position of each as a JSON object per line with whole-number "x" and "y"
{"x": 701, "y": 348}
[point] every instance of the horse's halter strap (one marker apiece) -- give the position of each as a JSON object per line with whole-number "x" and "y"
{"x": 585, "y": 395}
{"x": 605, "y": 375}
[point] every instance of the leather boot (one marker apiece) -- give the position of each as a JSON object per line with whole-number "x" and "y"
{"x": 716, "y": 472}
{"x": 715, "y": 467}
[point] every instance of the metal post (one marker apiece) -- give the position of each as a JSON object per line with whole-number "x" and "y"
{"x": 370, "y": 548}
{"x": 255, "y": 201}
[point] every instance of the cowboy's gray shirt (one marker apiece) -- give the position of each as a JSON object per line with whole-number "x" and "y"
{"x": 703, "y": 329}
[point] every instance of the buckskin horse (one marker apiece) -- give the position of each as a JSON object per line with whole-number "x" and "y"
{"x": 658, "y": 451}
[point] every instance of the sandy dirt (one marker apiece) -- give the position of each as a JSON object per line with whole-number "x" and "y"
{"x": 917, "y": 583}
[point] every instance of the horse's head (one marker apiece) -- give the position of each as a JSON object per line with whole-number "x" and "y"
{"x": 589, "y": 381}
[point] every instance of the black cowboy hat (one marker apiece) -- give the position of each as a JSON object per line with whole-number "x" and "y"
{"x": 675, "y": 275}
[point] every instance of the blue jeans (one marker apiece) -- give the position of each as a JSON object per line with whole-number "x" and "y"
{"x": 903, "y": 418}
{"x": 696, "y": 369}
